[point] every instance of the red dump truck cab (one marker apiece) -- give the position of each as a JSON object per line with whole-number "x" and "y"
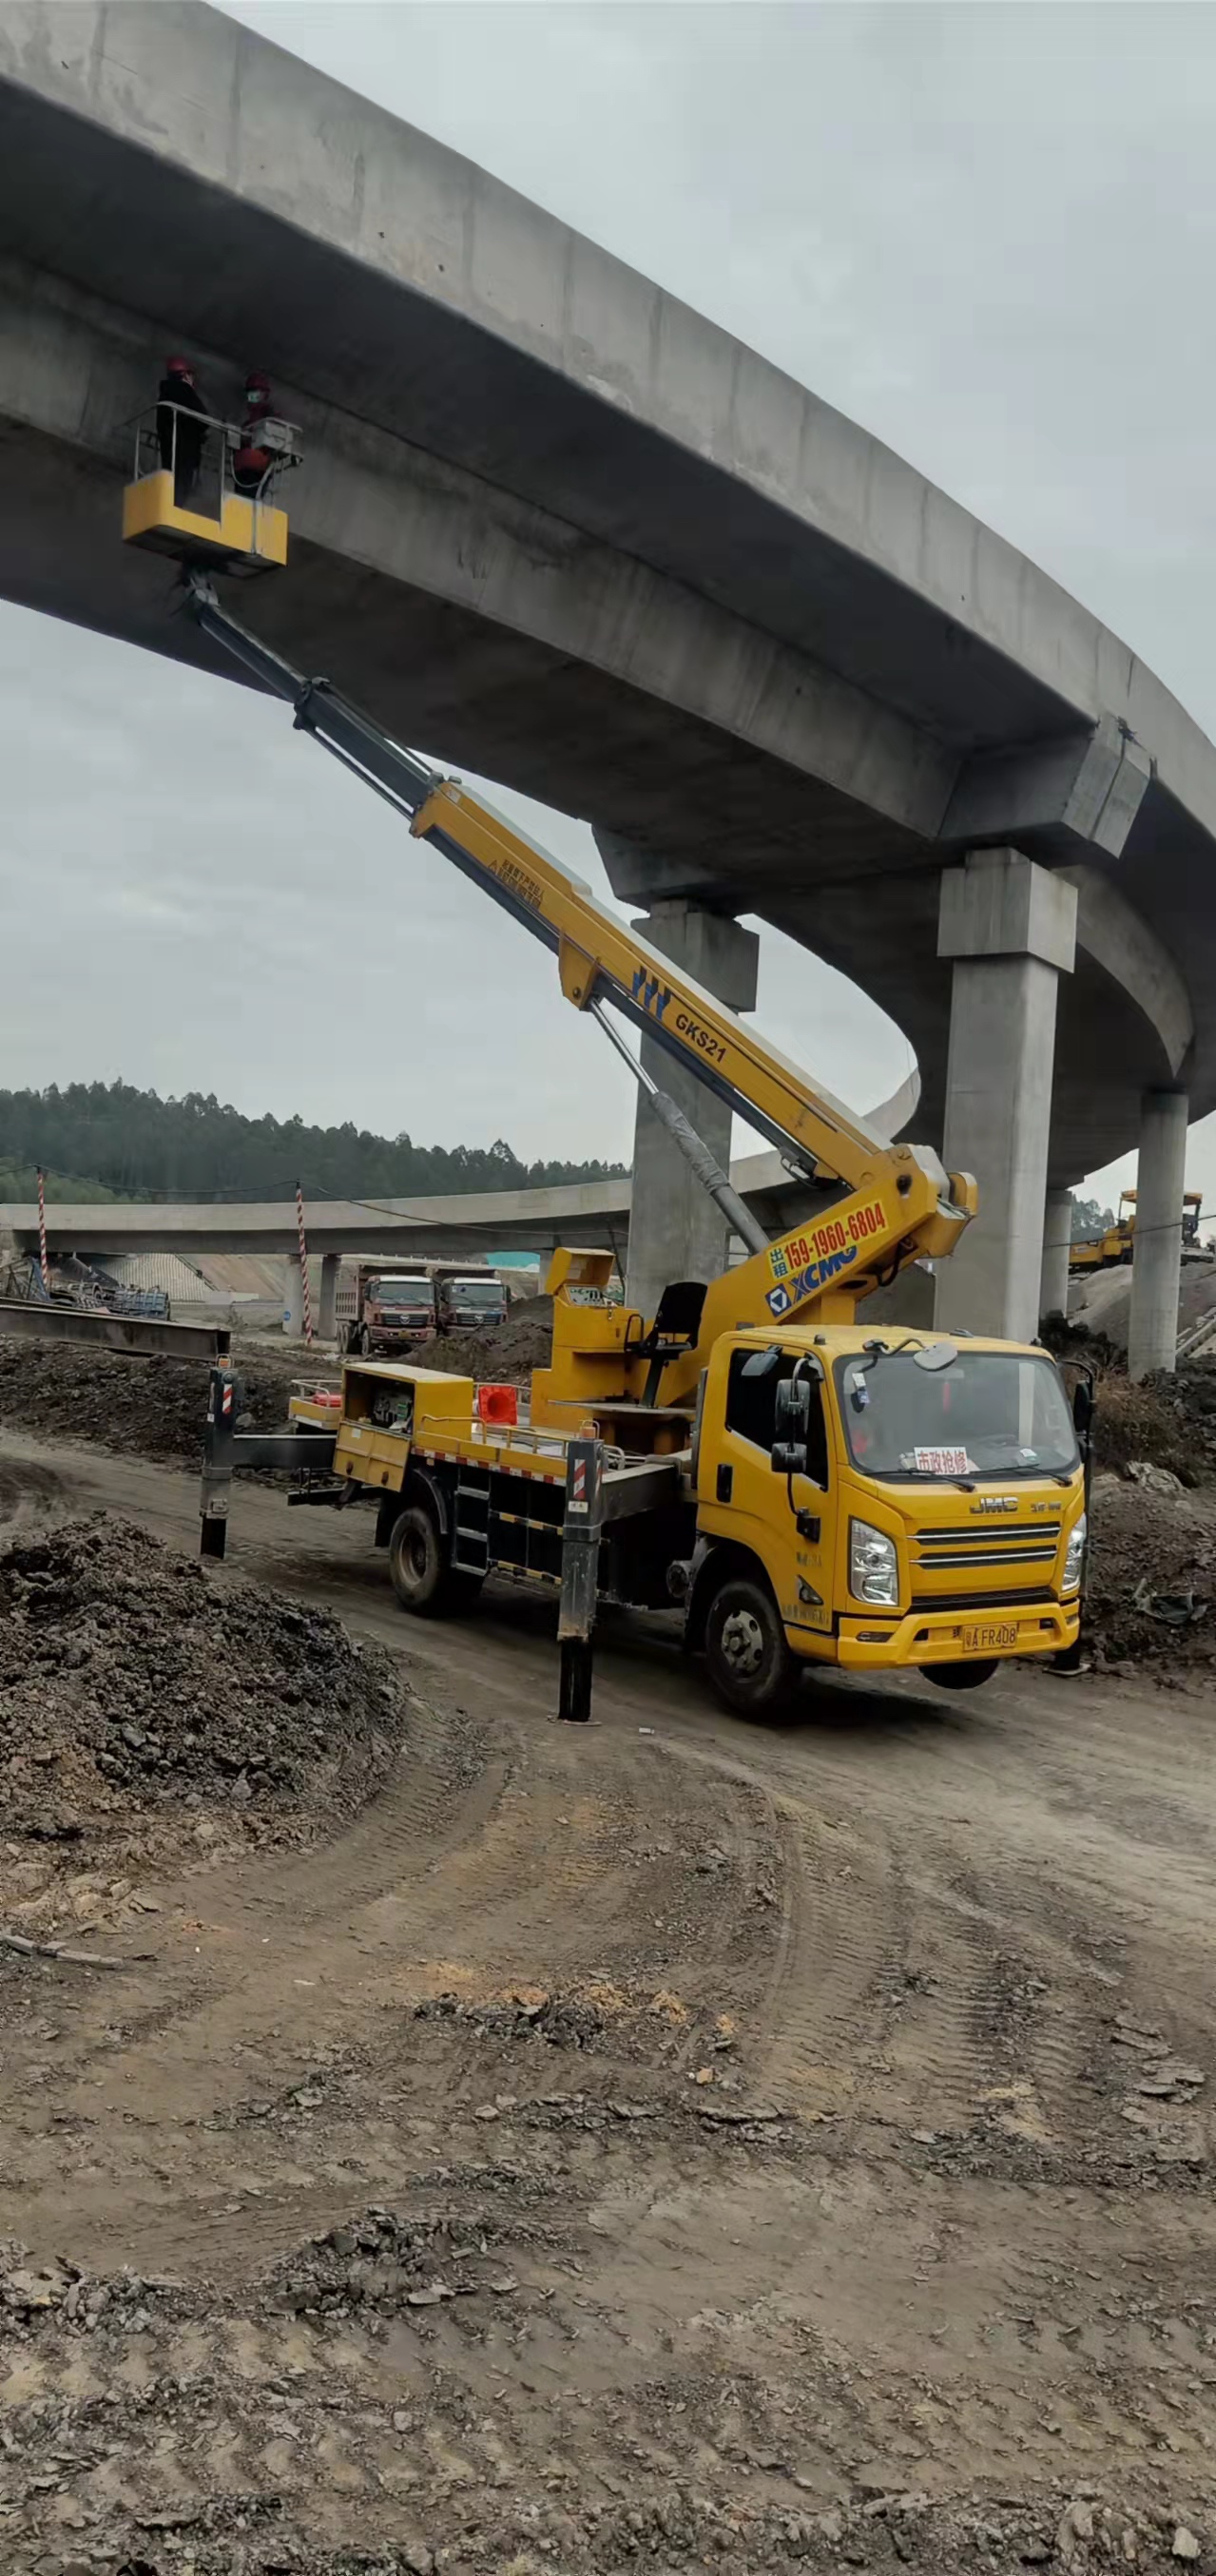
{"x": 394, "y": 1310}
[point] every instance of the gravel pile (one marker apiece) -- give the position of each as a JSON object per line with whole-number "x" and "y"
{"x": 137, "y": 1691}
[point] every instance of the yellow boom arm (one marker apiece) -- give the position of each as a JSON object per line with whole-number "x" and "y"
{"x": 882, "y": 1205}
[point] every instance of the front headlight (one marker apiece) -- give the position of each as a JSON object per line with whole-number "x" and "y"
{"x": 873, "y": 1566}
{"x": 1074, "y": 1554}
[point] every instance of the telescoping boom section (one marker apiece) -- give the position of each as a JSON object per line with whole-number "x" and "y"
{"x": 872, "y": 1206}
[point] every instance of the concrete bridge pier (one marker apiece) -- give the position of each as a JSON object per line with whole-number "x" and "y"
{"x": 293, "y": 1297}
{"x": 327, "y": 1302}
{"x": 1009, "y": 926}
{"x": 1057, "y": 1241}
{"x": 1157, "y": 1244}
{"x": 675, "y": 1231}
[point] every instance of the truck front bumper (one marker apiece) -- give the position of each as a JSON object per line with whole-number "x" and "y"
{"x": 874, "y": 1644}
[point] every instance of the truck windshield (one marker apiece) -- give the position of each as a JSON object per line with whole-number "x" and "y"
{"x": 989, "y": 1413}
{"x": 475, "y": 1292}
{"x": 404, "y": 1292}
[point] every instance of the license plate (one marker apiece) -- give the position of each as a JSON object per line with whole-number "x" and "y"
{"x": 989, "y": 1639}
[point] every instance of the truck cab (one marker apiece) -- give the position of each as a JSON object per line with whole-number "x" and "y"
{"x": 881, "y": 1501}
{"x": 469, "y": 1300}
{"x": 394, "y": 1309}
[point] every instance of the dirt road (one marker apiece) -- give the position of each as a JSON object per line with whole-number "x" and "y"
{"x": 730, "y": 2147}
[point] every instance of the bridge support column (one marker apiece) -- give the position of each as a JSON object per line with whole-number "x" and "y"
{"x": 293, "y": 1297}
{"x": 1157, "y": 1243}
{"x": 675, "y": 1230}
{"x": 1057, "y": 1241}
{"x": 327, "y": 1303}
{"x": 1010, "y": 927}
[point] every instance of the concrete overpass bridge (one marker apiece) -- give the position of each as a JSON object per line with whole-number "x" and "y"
{"x": 460, "y": 1228}
{"x": 560, "y": 529}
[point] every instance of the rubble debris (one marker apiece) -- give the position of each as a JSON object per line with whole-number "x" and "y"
{"x": 1158, "y": 1480}
{"x": 1175, "y": 1609}
{"x": 57, "y": 1950}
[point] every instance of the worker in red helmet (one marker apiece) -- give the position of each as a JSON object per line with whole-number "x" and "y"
{"x": 180, "y": 415}
{"x": 253, "y": 457}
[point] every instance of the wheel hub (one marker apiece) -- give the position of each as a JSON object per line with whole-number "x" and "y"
{"x": 743, "y": 1642}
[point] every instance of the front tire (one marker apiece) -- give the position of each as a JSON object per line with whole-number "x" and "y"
{"x": 958, "y": 1677}
{"x": 746, "y": 1655}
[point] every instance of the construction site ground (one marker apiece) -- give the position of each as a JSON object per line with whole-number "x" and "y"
{"x": 655, "y": 2146}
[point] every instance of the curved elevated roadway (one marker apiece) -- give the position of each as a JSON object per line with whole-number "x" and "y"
{"x": 562, "y": 530}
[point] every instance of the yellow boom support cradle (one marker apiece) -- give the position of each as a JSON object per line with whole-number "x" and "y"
{"x": 253, "y": 531}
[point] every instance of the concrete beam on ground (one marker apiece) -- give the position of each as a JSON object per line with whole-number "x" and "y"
{"x": 143, "y": 1335}
{"x": 1157, "y": 1242}
{"x": 1009, "y": 928}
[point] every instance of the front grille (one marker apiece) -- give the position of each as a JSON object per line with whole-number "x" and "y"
{"x": 980, "y": 1600}
{"x": 991, "y": 1544}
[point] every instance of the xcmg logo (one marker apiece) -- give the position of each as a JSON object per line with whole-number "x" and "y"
{"x": 803, "y": 1283}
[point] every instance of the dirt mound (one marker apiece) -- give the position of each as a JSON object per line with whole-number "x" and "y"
{"x": 1167, "y": 1419}
{"x": 148, "y": 1709}
{"x": 145, "y": 1408}
{"x": 506, "y": 1352}
{"x": 1151, "y": 1595}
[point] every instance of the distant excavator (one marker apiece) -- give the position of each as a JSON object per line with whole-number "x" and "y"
{"x": 1106, "y": 1251}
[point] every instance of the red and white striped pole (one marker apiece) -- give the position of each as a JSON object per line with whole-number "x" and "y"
{"x": 303, "y": 1264}
{"x": 46, "y": 1270}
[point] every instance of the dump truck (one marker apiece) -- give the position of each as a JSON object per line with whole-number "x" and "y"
{"x": 469, "y": 1297}
{"x": 394, "y": 1308}
{"x": 803, "y": 1488}
{"x": 399, "y": 1307}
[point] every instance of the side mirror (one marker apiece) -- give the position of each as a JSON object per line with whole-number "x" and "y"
{"x": 1082, "y": 1407}
{"x": 791, "y": 1422}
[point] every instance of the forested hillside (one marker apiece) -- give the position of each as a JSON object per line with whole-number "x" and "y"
{"x": 136, "y": 1145}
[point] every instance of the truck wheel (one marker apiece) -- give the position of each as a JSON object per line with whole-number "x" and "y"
{"x": 422, "y": 1579}
{"x": 960, "y": 1676}
{"x": 746, "y": 1655}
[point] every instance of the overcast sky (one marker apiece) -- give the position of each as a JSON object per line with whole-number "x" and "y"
{"x": 984, "y": 231}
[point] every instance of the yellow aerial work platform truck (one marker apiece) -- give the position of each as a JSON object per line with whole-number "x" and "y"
{"x": 803, "y": 1489}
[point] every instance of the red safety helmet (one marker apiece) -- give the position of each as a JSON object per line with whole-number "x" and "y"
{"x": 178, "y": 367}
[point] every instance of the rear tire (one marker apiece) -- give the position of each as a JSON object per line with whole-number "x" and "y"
{"x": 746, "y": 1655}
{"x": 960, "y": 1677}
{"x": 424, "y": 1582}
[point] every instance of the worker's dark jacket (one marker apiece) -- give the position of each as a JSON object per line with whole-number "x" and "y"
{"x": 175, "y": 395}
